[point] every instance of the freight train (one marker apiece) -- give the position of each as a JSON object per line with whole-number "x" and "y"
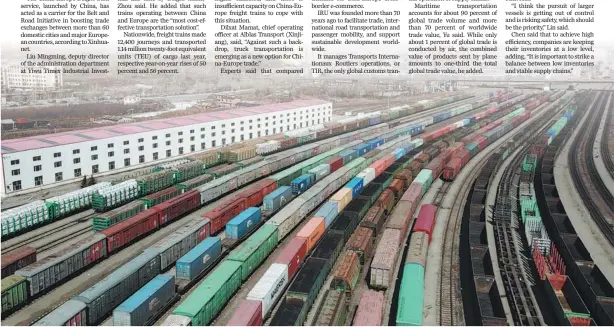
{"x": 378, "y": 184}
{"x": 106, "y": 196}
{"x": 94, "y": 249}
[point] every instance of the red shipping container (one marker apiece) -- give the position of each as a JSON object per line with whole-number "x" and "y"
{"x": 427, "y": 217}
{"x": 389, "y": 160}
{"x": 130, "y": 229}
{"x": 482, "y": 142}
{"x": 379, "y": 167}
{"x": 222, "y": 215}
{"x": 335, "y": 164}
{"x": 173, "y": 208}
{"x": 254, "y": 195}
{"x": 436, "y": 167}
{"x": 293, "y": 255}
{"x": 397, "y": 187}
{"x": 428, "y": 136}
{"x": 248, "y": 313}
{"x": 452, "y": 169}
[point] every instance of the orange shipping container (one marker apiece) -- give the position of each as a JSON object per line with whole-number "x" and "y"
{"x": 312, "y": 232}
{"x": 343, "y": 198}
{"x": 379, "y": 167}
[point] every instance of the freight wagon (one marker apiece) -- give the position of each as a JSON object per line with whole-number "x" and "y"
{"x": 114, "y": 289}
{"x": 17, "y": 259}
{"x": 147, "y": 303}
{"x": 334, "y": 310}
{"x": 14, "y": 294}
{"x": 71, "y": 313}
{"x": 370, "y": 309}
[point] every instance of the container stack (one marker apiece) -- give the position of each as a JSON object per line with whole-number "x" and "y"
{"x": 17, "y": 219}
{"x": 65, "y": 204}
{"x": 115, "y": 195}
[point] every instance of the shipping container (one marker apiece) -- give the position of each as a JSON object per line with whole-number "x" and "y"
{"x": 277, "y": 199}
{"x": 241, "y": 225}
{"x": 147, "y": 303}
{"x": 347, "y": 272}
{"x": 71, "y": 313}
{"x": 270, "y": 287}
{"x": 320, "y": 172}
{"x": 302, "y": 183}
{"x": 374, "y": 219}
{"x": 411, "y": 296}
{"x": 254, "y": 250}
{"x": 116, "y": 287}
{"x": 312, "y": 232}
{"x": 208, "y": 299}
{"x": 329, "y": 212}
{"x": 248, "y": 313}
{"x": 367, "y": 176}
{"x": 356, "y": 185}
{"x": 418, "y": 248}
{"x": 361, "y": 242}
{"x": 198, "y": 259}
{"x": 342, "y": 198}
{"x": 425, "y": 179}
{"x": 45, "y": 273}
{"x": 14, "y": 293}
{"x": 335, "y": 164}
{"x": 180, "y": 242}
{"x": 386, "y": 252}
{"x": 370, "y": 309}
{"x": 17, "y": 259}
{"x": 309, "y": 280}
{"x": 293, "y": 255}
{"x": 427, "y": 216}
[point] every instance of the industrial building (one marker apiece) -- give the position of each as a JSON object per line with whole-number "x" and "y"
{"x": 16, "y": 77}
{"x": 46, "y": 159}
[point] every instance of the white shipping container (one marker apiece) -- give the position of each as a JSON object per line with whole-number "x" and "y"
{"x": 287, "y": 218}
{"x": 385, "y": 258}
{"x": 270, "y": 287}
{"x": 176, "y": 320}
{"x": 367, "y": 175}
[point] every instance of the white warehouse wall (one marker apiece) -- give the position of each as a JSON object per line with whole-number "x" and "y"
{"x": 26, "y": 164}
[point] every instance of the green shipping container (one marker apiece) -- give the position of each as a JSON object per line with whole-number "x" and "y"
{"x": 425, "y": 177}
{"x": 255, "y": 249}
{"x": 14, "y": 293}
{"x": 411, "y": 296}
{"x": 212, "y": 294}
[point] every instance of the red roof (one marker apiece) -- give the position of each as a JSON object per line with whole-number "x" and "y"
{"x": 43, "y": 141}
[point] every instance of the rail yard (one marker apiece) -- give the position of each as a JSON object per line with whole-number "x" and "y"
{"x": 479, "y": 207}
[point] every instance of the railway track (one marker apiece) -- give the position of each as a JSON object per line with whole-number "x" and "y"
{"x": 44, "y": 241}
{"x": 586, "y": 178}
{"x": 605, "y": 138}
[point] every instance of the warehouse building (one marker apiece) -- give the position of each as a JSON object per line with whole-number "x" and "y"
{"x": 46, "y": 159}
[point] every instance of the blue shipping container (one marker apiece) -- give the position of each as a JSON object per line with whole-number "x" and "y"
{"x": 199, "y": 258}
{"x": 328, "y": 211}
{"x": 471, "y": 147}
{"x": 362, "y": 149}
{"x": 277, "y": 199}
{"x": 146, "y": 303}
{"x": 355, "y": 184}
{"x": 302, "y": 183}
{"x": 348, "y": 155}
{"x": 244, "y": 222}
{"x": 375, "y": 143}
{"x": 398, "y": 153}
{"x": 466, "y": 121}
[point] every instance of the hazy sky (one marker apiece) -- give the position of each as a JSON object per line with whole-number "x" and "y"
{"x": 603, "y": 26}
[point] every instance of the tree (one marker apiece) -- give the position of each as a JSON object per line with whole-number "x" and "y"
{"x": 91, "y": 181}
{"x": 84, "y": 181}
